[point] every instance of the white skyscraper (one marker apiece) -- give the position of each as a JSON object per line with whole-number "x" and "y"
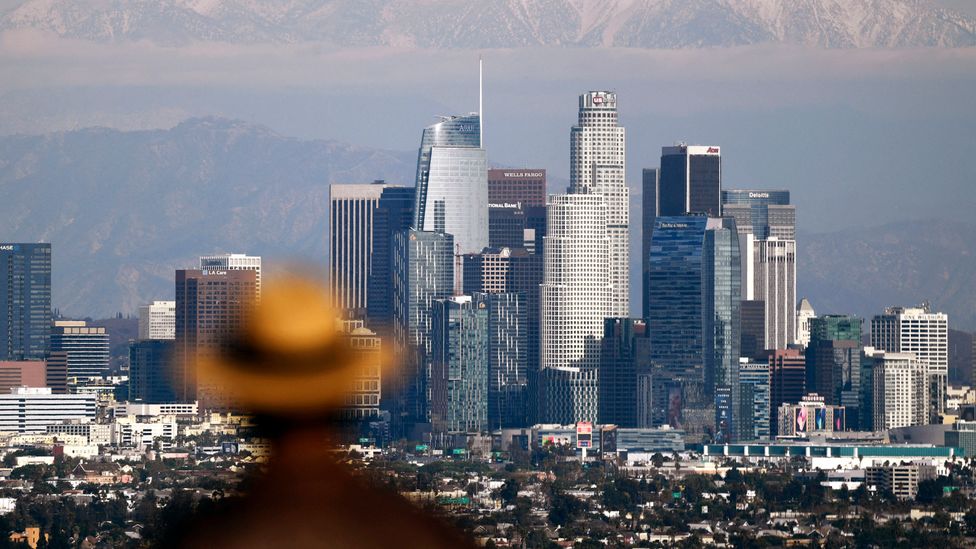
{"x": 596, "y": 149}
{"x": 899, "y": 387}
{"x": 157, "y": 320}
{"x": 233, "y": 262}
{"x": 775, "y": 285}
{"x": 574, "y": 299}
{"x": 925, "y": 335}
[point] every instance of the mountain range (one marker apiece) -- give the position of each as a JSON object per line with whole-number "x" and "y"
{"x": 123, "y": 210}
{"x": 502, "y": 23}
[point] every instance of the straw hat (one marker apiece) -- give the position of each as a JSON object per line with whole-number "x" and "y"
{"x": 290, "y": 358}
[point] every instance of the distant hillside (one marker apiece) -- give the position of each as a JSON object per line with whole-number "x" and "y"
{"x": 862, "y": 271}
{"x": 503, "y": 23}
{"x": 123, "y": 210}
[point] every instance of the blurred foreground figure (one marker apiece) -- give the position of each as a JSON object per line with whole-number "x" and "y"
{"x": 291, "y": 369}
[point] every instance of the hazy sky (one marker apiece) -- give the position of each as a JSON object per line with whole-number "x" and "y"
{"x": 861, "y": 137}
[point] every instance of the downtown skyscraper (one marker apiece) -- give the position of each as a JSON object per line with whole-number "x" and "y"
{"x": 25, "y": 301}
{"x": 596, "y": 166}
{"x": 690, "y": 180}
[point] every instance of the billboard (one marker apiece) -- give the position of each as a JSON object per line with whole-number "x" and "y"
{"x": 674, "y": 406}
{"x": 723, "y": 414}
{"x": 608, "y": 440}
{"x": 839, "y": 419}
{"x": 800, "y": 421}
{"x": 584, "y": 434}
{"x": 820, "y": 419}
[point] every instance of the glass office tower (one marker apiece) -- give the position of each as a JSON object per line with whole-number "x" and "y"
{"x": 25, "y": 301}
{"x": 690, "y": 180}
{"x": 452, "y": 182}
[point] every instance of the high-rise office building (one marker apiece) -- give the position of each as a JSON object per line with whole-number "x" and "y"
{"x": 487, "y": 271}
{"x": 211, "y": 308}
{"x": 363, "y": 396}
{"x": 899, "y": 389}
{"x": 459, "y": 365}
{"x": 423, "y": 268}
{"x": 508, "y": 375}
{"x": 234, "y": 262}
{"x": 57, "y": 372}
{"x": 25, "y": 301}
{"x": 923, "y": 333}
{"x": 394, "y": 213}
{"x": 650, "y": 209}
{"x": 690, "y": 180}
{"x": 756, "y": 376}
{"x": 766, "y": 223}
{"x": 753, "y": 329}
{"x": 157, "y": 320}
{"x": 775, "y": 285}
{"x": 833, "y": 361}
{"x": 574, "y": 300}
{"x": 804, "y": 312}
{"x": 596, "y": 152}
{"x": 151, "y": 371}
{"x": 87, "y": 348}
{"x": 787, "y": 381}
{"x": 516, "y": 208}
{"x": 452, "y": 182}
{"x": 352, "y": 208}
{"x": 625, "y": 357}
{"x": 694, "y": 317}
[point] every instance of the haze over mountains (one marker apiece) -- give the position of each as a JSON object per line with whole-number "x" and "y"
{"x": 504, "y": 23}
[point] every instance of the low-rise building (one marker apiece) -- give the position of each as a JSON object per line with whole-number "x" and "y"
{"x": 901, "y": 480}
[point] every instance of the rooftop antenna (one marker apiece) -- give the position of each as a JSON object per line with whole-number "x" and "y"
{"x": 481, "y": 106}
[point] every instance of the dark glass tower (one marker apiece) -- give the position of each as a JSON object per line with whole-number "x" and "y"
{"x": 25, "y": 301}
{"x": 150, "y": 371}
{"x": 394, "y": 213}
{"x": 693, "y": 321}
{"x": 833, "y": 362}
{"x": 624, "y": 357}
{"x": 650, "y": 209}
{"x": 690, "y": 180}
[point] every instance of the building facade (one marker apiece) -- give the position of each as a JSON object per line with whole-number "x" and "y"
{"x": 923, "y": 333}
{"x": 212, "y": 306}
{"x": 899, "y": 389}
{"x": 625, "y": 357}
{"x": 833, "y": 358}
{"x": 650, "y": 209}
{"x": 352, "y": 209}
{"x": 234, "y": 262}
{"x": 756, "y": 376}
{"x": 87, "y": 348}
{"x": 452, "y": 182}
{"x": 32, "y": 409}
{"x": 804, "y": 312}
{"x": 810, "y": 416}
{"x": 362, "y": 399}
{"x": 690, "y": 180}
{"x": 787, "y": 381}
{"x": 394, "y": 213}
{"x": 460, "y": 363}
{"x": 151, "y": 371}
{"x": 574, "y": 299}
{"x": 25, "y": 301}
{"x": 596, "y": 166}
{"x": 157, "y": 320}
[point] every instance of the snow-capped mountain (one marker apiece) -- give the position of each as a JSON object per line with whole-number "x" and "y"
{"x": 502, "y": 23}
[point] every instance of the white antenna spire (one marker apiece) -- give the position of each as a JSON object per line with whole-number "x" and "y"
{"x": 481, "y": 106}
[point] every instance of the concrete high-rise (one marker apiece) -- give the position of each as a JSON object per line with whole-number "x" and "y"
{"x": 352, "y": 208}
{"x": 361, "y": 402}
{"x": 574, "y": 300}
{"x": 211, "y": 308}
{"x": 597, "y": 159}
{"x": 87, "y": 348}
{"x": 234, "y": 262}
{"x": 756, "y": 376}
{"x": 394, "y": 213}
{"x": 452, "y": 182}
{"x": 25, "y": 301}
{"x": 694, "y": 318}
{"x": 22, "y": 373}
{"x": 157, "y": 320}
{"x": 923, "y": 333}
{"x": 690, "y": 180}
{"x": 899, "y": 389}
{"x": 766, "y": 223}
